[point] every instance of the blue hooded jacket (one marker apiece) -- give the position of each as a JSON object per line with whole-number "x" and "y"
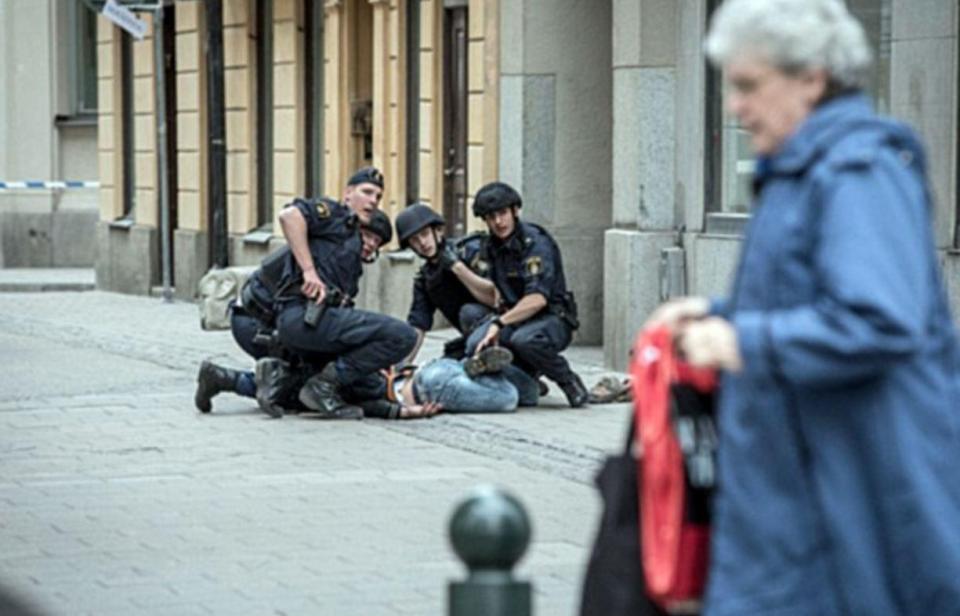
{"x": 839, "y": 458}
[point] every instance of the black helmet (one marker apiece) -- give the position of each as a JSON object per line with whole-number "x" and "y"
{"x": 414, "y": 218}
{"x": 380, "y": 225}
{"x": 495, "y": 196}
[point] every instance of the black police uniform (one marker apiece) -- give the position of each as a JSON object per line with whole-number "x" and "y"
{"x": 529, "y": 262}
{"x": 438, "y": 288}
{"x": 363, "y": 342}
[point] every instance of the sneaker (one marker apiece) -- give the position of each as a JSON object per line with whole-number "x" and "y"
{"x": 490, "y": 360}
{"x": 544, "y": 388}
{"x": 575, "y": 391}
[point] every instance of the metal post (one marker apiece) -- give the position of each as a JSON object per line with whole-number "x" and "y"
{"x": 489, "y": 531}
{"x": 159, "y": 69}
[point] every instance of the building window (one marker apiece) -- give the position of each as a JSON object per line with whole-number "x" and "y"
{"x": 413, "y": 102}
{"x": 127, "y": 123}
{"x": 83, "y": 74}
{"x": 313, "y": 86}
{"x": 264, "y": 102}
{"x": 730, "y": 161}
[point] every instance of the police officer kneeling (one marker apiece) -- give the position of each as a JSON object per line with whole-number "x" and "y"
{"x": 280, "y": 372}
{"x": 451, "y": 280}
{"x": 539, "y": 314}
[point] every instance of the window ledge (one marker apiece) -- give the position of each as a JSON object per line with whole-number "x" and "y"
{"x": 123, "y": 224}
{"x": 260, "y": 236}
{"x": 80, "y": 119}
{"x": 726, "y": 223}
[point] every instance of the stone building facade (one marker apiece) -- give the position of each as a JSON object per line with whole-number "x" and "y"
{"x": 604, "y": 115}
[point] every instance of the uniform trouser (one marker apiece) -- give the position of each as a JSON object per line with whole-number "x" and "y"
{"x": 469, "y": 316}
{"x": 445, "y": 382}
{"x": 363, "y": 342}
{"x": 244, "y": 329}
{"x": 536, "y": 345}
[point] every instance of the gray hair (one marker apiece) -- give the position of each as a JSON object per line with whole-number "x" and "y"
{"x": 792, "y": 35}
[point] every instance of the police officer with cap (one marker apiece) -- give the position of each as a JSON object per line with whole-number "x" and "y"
{"x": 451, "y": 279}
{"x": 538, "y": 314}
{"x": 326, "y": 261}
{"x": 252, "y": 324}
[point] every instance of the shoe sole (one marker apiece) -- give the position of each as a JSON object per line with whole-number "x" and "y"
{"x": 489, "y": 360}
{"x": 197, "y": 400}
{"x": 273, "y": 410}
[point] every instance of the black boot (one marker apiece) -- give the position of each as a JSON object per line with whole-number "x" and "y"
{"x": 276, "y": 384}
{"x": 576, "y": 392}
{"x": 321, "y": 394}
{"x": 211, "y": 380}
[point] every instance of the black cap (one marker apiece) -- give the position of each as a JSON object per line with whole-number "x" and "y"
{"x": 380, "y": 225}
{"x": 495, "y": 196}
{"x": 414, "y": 218}
{"x": 369, "y": 175}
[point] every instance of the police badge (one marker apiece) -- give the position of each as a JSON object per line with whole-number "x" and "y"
{"x": 534, "y": 266}
{"x": 323, "y": 210}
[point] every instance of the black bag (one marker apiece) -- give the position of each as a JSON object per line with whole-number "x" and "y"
{"x": 614, "y": 584}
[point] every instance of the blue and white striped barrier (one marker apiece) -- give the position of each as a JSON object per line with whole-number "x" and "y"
{"x": 41, "y": 185}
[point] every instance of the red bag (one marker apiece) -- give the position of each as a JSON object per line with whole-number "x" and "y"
{"x": 673, "y": 403}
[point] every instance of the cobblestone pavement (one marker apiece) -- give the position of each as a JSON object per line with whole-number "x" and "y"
{"x": 117, "y": 497}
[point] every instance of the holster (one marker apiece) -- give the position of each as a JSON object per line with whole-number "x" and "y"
{"x": 566, "y": 309}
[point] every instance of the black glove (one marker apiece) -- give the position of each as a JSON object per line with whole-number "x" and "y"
{"x": 448, "y": 256}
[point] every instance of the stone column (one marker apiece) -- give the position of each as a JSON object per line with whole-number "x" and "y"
{"x": 555, "y": 131}
{"x": 336, "y": 112}
{"x": 644, "y": 176}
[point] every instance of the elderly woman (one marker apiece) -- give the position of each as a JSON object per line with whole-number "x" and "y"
{"x": 839, "y": 414}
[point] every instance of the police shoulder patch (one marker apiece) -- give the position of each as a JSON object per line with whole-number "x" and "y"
{"x": 533, "y": 266}
{"x": 323, "y": 210}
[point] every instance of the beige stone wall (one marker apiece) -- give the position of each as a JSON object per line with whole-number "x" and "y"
{"x": 289, "y": 105}
{"x": 431, "y": 103}
{"x": 239, "y": 87}
{"x": 109, "y": 127}
{"x": 352, "y": 70}
{"x": 483, "y": 72}
{"x": 145, "y": 211}
{"x": 191, "y": 117}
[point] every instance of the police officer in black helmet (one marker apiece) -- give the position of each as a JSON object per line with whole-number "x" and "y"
{"x": 451, "y": 280}
{"x": 252, "y": 324}
{"x": 538, "y": 314}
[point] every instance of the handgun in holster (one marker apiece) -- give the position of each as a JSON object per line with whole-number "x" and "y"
{"x": 314, "y": 311}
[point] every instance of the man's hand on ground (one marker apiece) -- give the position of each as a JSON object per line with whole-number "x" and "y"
{"x": 415, "y": 411}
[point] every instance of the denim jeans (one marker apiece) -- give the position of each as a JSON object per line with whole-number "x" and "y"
{"x": 444, "y": 381}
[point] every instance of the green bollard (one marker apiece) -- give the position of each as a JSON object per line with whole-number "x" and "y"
{"x": 489, "y": 531}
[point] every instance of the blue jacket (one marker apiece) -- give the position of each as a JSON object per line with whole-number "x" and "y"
{"x": 839, "y": 459}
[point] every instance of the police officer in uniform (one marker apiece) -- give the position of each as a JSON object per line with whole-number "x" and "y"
{"x": 451, "y": 280}
{"x": 252, "y": 324}
{"x": 325, "y": 264}
{"x": 538, "y": 314}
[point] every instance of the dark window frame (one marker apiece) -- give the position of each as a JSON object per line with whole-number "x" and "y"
{"x": 128, "y": 125}
{"x": 413, "y": 102}
{"x": 264, "y": 113}
{"x": 313, "y": 55}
